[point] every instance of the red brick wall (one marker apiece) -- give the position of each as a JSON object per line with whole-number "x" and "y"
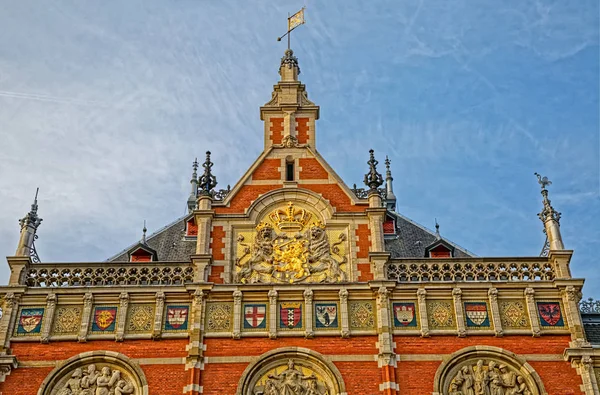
{"x": 364, "y": 245}
{"x": 221, "y": 378}
{"x": 336, "y": 196}
{"x": 312, "y": 170}
{"x": 217, "y": 242}
{"x": 276, "y": 130}
{"x": 246, "y": 195}
{"x": 192, "y": 228}
{"x": 302, "y": 130}
{"x": 215, "y": 274}
{"x": 268, "y": 170}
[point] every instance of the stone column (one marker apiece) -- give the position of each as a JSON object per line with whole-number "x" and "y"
{"x": 308, "y": 314}
{"x": 458, "y": 310}
{"x": 237, "y": 314}
{"x": 88, "y": 300}
{"x": 158, "y": 317}
{"x": 48, "y": 317}
{"x": 122, "y": 313}
{"x": 272, "y": 314}
{"x": 561, "y": 262}
{"x": 571, "y": 297}
{"x": 203, "y": 257}
{"x": 18, "y": 269}
{"x": 532, "y": 310}
{"x": 10, "y": 310}
{"x": 585, "y": 368}
{"x": 386, "y": 358}
{"x": 344, "y": 313}
{"x": 495, "y": 312}
{"x": 195, "y": 360}
{"x": 422, "y": 298}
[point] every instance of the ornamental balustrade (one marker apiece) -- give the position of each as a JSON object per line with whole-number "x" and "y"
{"x": 470, "y": 269}
{"x": 94, "y": 274}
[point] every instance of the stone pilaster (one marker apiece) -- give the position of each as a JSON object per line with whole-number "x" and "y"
{"x": 385, "y": 342}
{"x": 495, "y": 312}
{"x": 585, "y": 368}
{"x": 272, "y": 314}
{"x": 237, "y": 314}
{"x": 88, "y": 300}
{"x": 422, "y": 300}
{"x": 48, "y": 317}
{"x": 571, "y": 297}
{"x": 18, "y": 269}
{"x": 195, "y": 360}
{"x": 7, "y": 364}
{"x": 561, "y": 263}
{"x": 532, "y": 310}
{"x": 122, "y": 313}
{"x": 344, "y": 313}
{"x": 308, "y": 314}
{"x": 158, "y": 317}
{"x": 10, "y": 310}
{"x": 458, "y": 311}
{"x": 203, "y": 257}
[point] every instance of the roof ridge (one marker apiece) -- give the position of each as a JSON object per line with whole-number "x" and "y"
{"x": 156, "y": 233}
{"x": 432, "y": 233}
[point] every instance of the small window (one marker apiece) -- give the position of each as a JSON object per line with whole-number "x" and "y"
{"x": 440, "y": 252}
{"x": 289, "y": 170}
{"x": 141, "y": 256}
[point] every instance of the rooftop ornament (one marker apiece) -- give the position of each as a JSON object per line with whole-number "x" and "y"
{"x": 373, "y": 179}
{"x": 207, "y": 180}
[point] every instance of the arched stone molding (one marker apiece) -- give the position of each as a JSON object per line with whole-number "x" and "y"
{"x": 300, "y": 197}
{"x": 302, "y": 358}
{"x": 469, "y": 356}
{"x": 129, "y": 371}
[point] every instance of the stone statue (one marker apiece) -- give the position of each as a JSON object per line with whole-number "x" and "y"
{"x": 90, "y": 381}
{"x": 261, "y": 258}
{"x": 319, "y": 256}
{"x": 490, "y": 379}
{"x": 292, "y": 382}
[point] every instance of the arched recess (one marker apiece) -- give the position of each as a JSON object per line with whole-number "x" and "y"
{"x": 469, "y": 357}
{"x": 304, "y": 360}
{"x": 273, "y": 199}
{"x": 130, "y": 379}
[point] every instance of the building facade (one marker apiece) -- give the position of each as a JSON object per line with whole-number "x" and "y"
{"x": 293, "y": 283}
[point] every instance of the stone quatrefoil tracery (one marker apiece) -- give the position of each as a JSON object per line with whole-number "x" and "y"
{"x": 163, "y": 274}
{"x": 470, "y": 271}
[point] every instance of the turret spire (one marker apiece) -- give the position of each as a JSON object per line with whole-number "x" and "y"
{"x": 389, "y": 189}
{"x": 550, "y": 217}
{"x": 144, "y": 230}
{"x": 437, "y": 230}
{"x": 29, "y": 225}
{"x": 191, "y": 203}
{"x": 373, "y": 179}
{"x": 207, "y": 180}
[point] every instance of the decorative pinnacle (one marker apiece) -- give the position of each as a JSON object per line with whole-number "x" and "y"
{"x": 207, "y": 181}
{"x": 32, "y": 219}
{"x": 373, "y": 179}
{"x": 548, "y": 212}
{"x": 195, "y": 168}
{"x": 144, "y": 230}
{"x": 388, "y": 172}
{"x": 437, "y": 229}
{"x": 290, "y": 60}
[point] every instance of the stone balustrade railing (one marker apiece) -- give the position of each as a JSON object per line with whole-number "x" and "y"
{"x": 108, "y": 273}
{"x": 470, "y": 269}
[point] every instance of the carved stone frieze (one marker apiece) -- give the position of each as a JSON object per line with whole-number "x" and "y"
{"x": 95, "y": 379}
{"x": 488, "y": 378}
{"x": 291, "y": 380}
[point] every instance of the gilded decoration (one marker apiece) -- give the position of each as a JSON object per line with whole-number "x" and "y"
{"x": 95, "y": 379}
{"x": 362, "y": 314}
{"x": 488, "y": 378}
{"x": 219, "y": 317}
{"x": 513, "y": 314}
{"x": 140, "y": 318}
{"x": 292, "y": 379}
{"x": 440, "y": 314}
{"x": 104, "y": 319}
{"x": 67, "y": 320}
{"x": 290, "y": 245}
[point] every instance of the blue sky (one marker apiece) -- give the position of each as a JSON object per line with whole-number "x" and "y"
{"x": 104, "y": 106}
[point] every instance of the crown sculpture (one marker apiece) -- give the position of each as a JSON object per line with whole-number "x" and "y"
{"x": 290, "y": 219}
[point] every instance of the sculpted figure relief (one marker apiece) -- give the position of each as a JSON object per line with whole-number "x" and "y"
{"x": 93, "y": 382}
{"x": 490, "y": 379}
{"x": 301, "y": 252}
{"x": 291, "y": 381}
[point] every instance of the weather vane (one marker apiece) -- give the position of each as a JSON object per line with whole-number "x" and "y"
{"x": 293, "y": 22}
{"x": 543, "y": 181}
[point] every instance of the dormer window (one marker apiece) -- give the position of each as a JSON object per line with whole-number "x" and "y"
{"x": 191, "y": 228}
{"x": 140, "y": 256}
{"x": 441, "y": 251}
{"x": 389, "y": 227}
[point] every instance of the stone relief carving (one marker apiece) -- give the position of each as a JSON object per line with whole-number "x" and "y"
{"x": 92, "y": 381}
{"x": 301, "y": 252}
{"x": 291, "y": 381}
{"x": 488, "y": 379}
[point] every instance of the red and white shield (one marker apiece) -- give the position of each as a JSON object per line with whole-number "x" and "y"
{"x": 550, "y": 312}
{"x": 290, "y": 314}
{"x": 177, "y": 316}
{"x": 255, "y": 315}
{"x": 31, "y": 319}
{"x": 404, "y": 313}
{"x": 476, "y": 312}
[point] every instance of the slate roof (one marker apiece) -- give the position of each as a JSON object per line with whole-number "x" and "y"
{"x": 171, "y": 244}
{"x": 591, "y": 326}
{"x": 412, "y": 238}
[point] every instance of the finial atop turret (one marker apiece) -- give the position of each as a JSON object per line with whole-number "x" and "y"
{"x": 550, "y": 217}
{"x": 389, "y": 189}
{"x": 29, "y": 225}
{"x": 144, "y": 230}
{"x": 373, "y": 179}
{"x": 191, "y": 203}
{"x": 207, "y": 180}
{"x": 437, "y": 229}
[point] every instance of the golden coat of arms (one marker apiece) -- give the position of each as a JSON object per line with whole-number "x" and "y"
{"x": 299, "y": 252}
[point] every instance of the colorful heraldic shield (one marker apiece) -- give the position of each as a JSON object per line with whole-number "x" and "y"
{"x": 405, "y": 315}
{"x": 30, "y": 321}
{"x": 104, "y": 319}
{"x": 255, "y": 316}
{"x": 550, "y": 314}
{"x": 477, "y": 315}
{"x": 326, "y": 315}
{"x": 176, "y": 318}
{"x": 290, "y": 315}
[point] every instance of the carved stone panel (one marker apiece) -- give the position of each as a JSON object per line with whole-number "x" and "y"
{"x": 440, "y": 314}
{"x": 140, "y": 318}
{"x": 291, "y": 245}
{"x": 488, "y": 377}
{"x": 219, "y": 317}
{"x": 362, "y": 314}
{"x": 513, "y": 314}
{"x": 95, "y": 379}
{"x": 67, "y": 320}
{"x": 292, "y": 379}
